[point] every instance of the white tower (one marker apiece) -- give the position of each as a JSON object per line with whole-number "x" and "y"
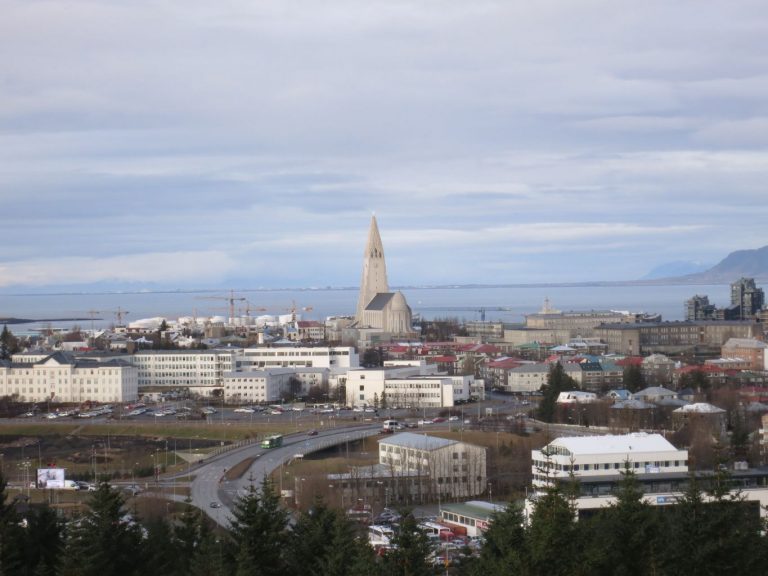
{"x": 374, "y": 279}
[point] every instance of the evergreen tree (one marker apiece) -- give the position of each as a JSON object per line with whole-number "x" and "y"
{"x": 160, "y": 551}
{"x": 557, "y": 381}
{"x": 323, "y": 543}
{"x": 187, "y": 537}
{"x": 44, "y": 542}
{"x": 105, "y": 541}
{"x": 552, "y": 536}
{"x": 11, "y": 536}
{"x": 259, "y": 532}
{"x": 411, "y": 549}
{"x": 623, "y": 539}
{"x": 633, "y": 378}
{"x": 504, "y": 551}
{"x": 209, "y": 557}
{"x": 9, "y": 345}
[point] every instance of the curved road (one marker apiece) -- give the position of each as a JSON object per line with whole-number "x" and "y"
{"x": 208, "y": 485}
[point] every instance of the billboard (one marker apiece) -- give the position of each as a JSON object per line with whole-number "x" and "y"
{"x": 50, "y": 478}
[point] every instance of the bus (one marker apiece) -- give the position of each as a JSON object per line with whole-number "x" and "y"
{"x": 274, "y": 441}
{"x": 437, "y": 531}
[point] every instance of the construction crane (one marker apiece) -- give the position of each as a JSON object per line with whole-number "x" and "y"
{"x": 231, "y": 299}
{"x": 119, "y": 314}
{"x": 293, "y": 310}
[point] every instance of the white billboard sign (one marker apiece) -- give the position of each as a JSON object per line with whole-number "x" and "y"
{"x": 50, "y": 478}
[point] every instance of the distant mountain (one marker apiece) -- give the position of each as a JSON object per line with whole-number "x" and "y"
{"x": 678, "y": 268}
{"x": 749, "y": 263}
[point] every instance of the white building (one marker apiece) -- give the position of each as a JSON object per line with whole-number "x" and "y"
{"x": 531, "y": 378}
{"x": 605, "y": 456}
{"x": 257, "y": 386}
{"x": 201, "y": 371}
{"x": 60, "y": 378}
{"x": 258, "y": 357}
{"x": 455, "y": 469}
{"x": 413, "y": 384}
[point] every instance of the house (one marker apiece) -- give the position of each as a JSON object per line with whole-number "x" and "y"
{"x": 576, "y": 397}
{"x": 655, "y": 394}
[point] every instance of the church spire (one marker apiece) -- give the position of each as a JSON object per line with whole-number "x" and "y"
{"x": 374, "y": 278}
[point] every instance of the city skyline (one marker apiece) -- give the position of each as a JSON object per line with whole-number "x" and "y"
{"x": 242, "y": 144}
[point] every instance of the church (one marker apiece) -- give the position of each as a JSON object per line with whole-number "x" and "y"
{"x": 379, "y": 311}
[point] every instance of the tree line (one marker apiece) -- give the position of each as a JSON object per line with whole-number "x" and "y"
{"x": 703, "y": 533}
{"x": 108, "y": 540}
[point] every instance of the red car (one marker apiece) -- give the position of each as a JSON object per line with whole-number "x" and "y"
{"x": 437, "y": 420}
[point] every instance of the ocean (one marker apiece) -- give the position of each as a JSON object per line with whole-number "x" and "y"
{"x": 504, "y": 303}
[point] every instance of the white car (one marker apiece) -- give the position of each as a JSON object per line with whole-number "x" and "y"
{"x": 453, "y": 419}
{"x": 245, "y": 410}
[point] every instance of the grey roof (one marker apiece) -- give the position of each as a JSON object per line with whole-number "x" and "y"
{"x": 631, "y": 405}
{"x": 474, "y": 509}
{"x": 531, "y": 368}
{"x": 380, "y": 301}
{"x": 419, "y": 441}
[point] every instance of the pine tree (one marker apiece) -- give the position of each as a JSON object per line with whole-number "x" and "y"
{"x": 160, "y": 550}
{"x": 186, "y": 535}
{"x": 552, "y": 536}
{"x": 633, "y": 378}
{"x": 504, "y": 551}
{"x": 44, "y": 542}
{"x": 557, "y": 381}
{"x": 624, "y": 538}
{"x": 209, "y": 557}
{"x": 259, "y": 532}
{"x": 9, "y": 345}
{"x": 11, "y": 536}
{"x": 105, "y": 541}
{"x": 410, "y": 551}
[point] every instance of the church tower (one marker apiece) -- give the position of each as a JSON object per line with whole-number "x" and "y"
{"x": 374, "y": 279}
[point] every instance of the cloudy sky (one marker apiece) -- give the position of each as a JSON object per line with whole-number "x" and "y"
{"x": 246, "y": 143}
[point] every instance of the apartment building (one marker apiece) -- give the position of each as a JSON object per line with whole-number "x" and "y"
{"x": 259, "y": 357}
{"x": 59, "y": 377}
{"x": 201, "y": 371}
{"x": 674, "y": 337}
{"x": 752, "y": 351}
{"x": 455, "y": 469}
{"x": 257, "y": 386}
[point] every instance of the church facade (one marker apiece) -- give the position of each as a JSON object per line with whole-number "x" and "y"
{"x": 380, "y": 311}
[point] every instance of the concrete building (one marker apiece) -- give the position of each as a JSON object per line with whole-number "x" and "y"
{"x": 674, "y": 337}
{"x": 699, "y": 308}
{"x": 413, "y": 384}
{"x": 530, "y": 378}
{"x": 455, "y": 469}
{"x": 257, "y": 386}
{"x": 377, "y": 307}
{"x": 752, "y": 351}
{"x": 257, "y": 357}
{"x": 578, "y": 323}
{"x": 59, "y": 377}
{"x": 605, "y": 456}
{"x": 472, "y": 517}
{"x": 200, "y": 371}
{"x": 748, "y": 297}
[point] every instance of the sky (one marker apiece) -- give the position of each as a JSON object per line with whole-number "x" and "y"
{"x": 246, "y": 143}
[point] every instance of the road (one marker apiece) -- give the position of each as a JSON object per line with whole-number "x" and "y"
{"x": 209, "y": 485}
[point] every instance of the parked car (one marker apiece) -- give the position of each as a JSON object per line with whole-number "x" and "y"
{"x": 312, "y": 433}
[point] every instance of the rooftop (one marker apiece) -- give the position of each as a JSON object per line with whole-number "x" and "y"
{"x": 636, "y": 442}
{"x": 418, "y": 441}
